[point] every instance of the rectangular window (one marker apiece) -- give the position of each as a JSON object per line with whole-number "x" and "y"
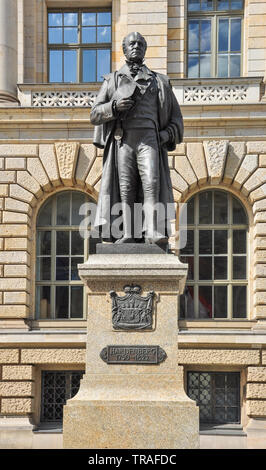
{"x": 217, "y": 394}
{"x": 214, "y": 38}
{"x": 57, "y": 388}
{"x": 79, "y": 45}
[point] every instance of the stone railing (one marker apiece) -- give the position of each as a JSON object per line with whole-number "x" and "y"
{"x": 188, "y": 92}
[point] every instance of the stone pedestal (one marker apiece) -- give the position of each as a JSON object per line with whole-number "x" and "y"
{"x": 129, "y": 405}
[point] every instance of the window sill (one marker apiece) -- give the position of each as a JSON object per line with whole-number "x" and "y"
{"x": 44, "y": 428}
{"x": 222, "y": 430}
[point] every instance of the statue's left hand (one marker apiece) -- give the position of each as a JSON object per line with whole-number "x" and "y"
{"x": 164, "y": 137}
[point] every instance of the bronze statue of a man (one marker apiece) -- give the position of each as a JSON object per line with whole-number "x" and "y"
{"x": 137, "y": 121}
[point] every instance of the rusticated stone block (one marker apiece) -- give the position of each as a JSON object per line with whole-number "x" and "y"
{"x": 257, "y": 194}
{"x": 17, "y": 372}
{"x": 17, "y": 206}
{"x": 15, "y": 163}
{"x": 218, "y": 356}
{"x": 14, "y": 311}
{"x": 260, "y": 298}
{"x": 256, "y": 147}
{"x": 7, "y": 176}
{"x": 260, "y": 311}
{"x": 13, "y": 230}
{"x": 260, "y": 229}
{"x": 16, "y": 406}
{"x": 262, "y": 160}
{"x": 197, "y": 160}
{"x": 264, "y": 357}
{"x": 260, "y": 284}
{"x": 260, "y": 256}
{"x": 248, "y": 165}
{"x": 9, "y": 356}
{"x": 67, "y": 153}
{"x": 14, "y": 217}
{"x": 16, "y": 389}
{"x": 179, "y": 150}
{"x": 29, "y": 183}
{"x": 3, "y": 189}
{"x": 184, "y": 168}
{"x": 256, "y": 408}
{"x": 255, "y": 180}
{"x": 36, "y": 169}
{"x": 17, "y": 192}
{"x": 215, "y": 153}
{"x": 14, "y": 284}
{"x": 87, "y": 155}
{"x": 16, "y": 298}
{"x": 236, "y": 153}
{"x": 53, "y": 356}
{"x": 178, "y": 182}
{"x": 256, "y": 374}
{"x": 48, "y": 159}
{"x": 19, "y": 257}
{"x": 18, "y": 150}
{"x": 261, "y": 243}
{"x": 260, "y": 216}
{"x": 16, "y": 243}
{"x": 95, "y": 172}
{"x": 17, "y": 270}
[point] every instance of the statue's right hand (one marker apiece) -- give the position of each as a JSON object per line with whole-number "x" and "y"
{"x": 124, "y": 104}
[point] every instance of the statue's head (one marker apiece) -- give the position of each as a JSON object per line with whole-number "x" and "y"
{"x": 134, "y": 47}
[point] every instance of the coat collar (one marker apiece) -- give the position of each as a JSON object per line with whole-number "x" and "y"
{"x": 146, "y": 72}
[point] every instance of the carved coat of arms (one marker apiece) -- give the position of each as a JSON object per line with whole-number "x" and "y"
{"x": 132, "y": 312}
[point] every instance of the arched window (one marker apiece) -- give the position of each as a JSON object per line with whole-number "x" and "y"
{"x": 60, "y": 248}
{"x": 216, "y": 252}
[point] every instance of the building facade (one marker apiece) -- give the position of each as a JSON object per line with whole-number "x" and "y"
{"x": 53, "y": 56}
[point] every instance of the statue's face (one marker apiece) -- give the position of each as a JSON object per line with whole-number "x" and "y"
{"x": 135, "y": 48}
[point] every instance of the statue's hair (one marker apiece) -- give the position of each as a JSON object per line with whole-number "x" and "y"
{"x": 125, "y": 39}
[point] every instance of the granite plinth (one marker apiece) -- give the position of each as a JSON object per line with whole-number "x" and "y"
{"x": 131, "y": 248}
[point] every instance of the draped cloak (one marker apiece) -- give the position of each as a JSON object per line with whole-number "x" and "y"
{"x": 102, "y": 116}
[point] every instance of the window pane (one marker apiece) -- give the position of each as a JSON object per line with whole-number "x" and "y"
{"x": 77, "y": 244}
{"x": 63, "y": 209}
{"x": 205, "y": 241}
{"x": 239, "y": 241}
{"x": 235, "y": 34}
{"x": 205, "y": 36}
{"x": 70, "y": 19}
{"x": 45, "y": 215}
{"x": 74, "y": 268}
{"x": 236, "y": 4}
{"x": 220, "y": 301}
{"x": 55, "y": 66}
{"x": 77, "y": 200}
{"x": 190, "y": 211}
{"x": 222, "y": 66}
{"x": 70, "y": 66}
{"x": 55, "y": 35}
{"x": 239, "y": 267}
{"x": 220, "y": 267}
{"x": 189, "y": 248}
{"x": 55, "y": 19}
{"x": 223, "y": 4}
{"x": 103, "y": 63}
{"x": 205, "y": 302}
{"x": 76, "y": 302}
{"x": 235, "y": 61}
{"x": 187, "y": 303}
{"x": 190, "y": 261}
{"x": 220, "y": 208}
{"x": 88, "y": 19}
{"x": 193, "y": 66}
{"x": 89, "y": 66}
{"x": 193, "y": 5}
{"x": 205, "y": 207}
{"x": 43, "y": 302}
{"x": 193, "y": 36}
{"x": 205, "y": 268}
{"x": 104, "y": 34}
{"x": 220, "y": 241}
{"x": 62, "y": 243}
{"x": 206, "y": 5}
{"x": 71, "y": 36}
{"x": 61, "y": 302}
{"x": 88, "y": 35}
{"x": 205, "y": 66}
{"x": 239, "y": 301}
{"x": 43, "y": 243}
{"x": 239, "y": 214}
{"x": 223, "y": 39}
{"x": 62, "y": 268}
{"x": 104, "y": 18}
{"x": 44, "y": 269}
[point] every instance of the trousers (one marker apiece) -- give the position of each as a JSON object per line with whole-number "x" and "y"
{"x": 138, "y": 162}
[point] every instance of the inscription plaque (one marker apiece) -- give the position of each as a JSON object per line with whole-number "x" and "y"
{"x": 132, "y": 312}
{"x": 133, "y": 354}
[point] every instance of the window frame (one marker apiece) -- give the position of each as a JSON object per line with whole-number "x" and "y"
{"x": 229, "y": 281}
{"x": 79, "y": 46}
{"x": 53, "y": 282}
{"x": 214, "y": 16}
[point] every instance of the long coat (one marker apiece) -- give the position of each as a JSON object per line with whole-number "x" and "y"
{"x": 102, "y": 116}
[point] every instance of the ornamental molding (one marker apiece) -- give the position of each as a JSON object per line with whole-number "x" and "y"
{"x": 67, "y": 153}
{"x": 47, "y": 99}
{"x": 216, "y": 94}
